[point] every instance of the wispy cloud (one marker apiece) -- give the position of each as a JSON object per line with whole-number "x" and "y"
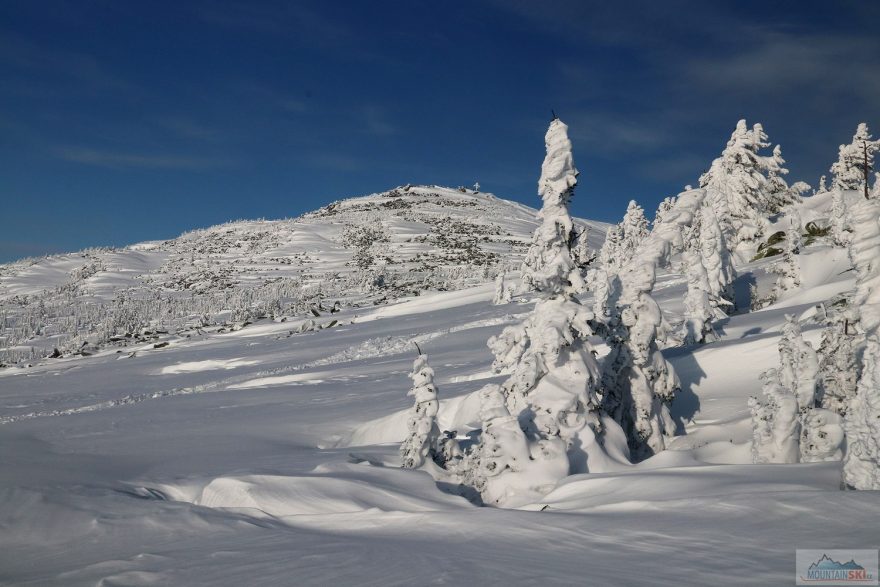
{"x": 785, "y": 60}
{"x": 27, "y": 57}
{"x": 96, "y": 157}
{"x": 616, "y": 132}
{"x": 294, "y": 19}
{"x": 376, "y": 122}
{"x": 187, "y": 128}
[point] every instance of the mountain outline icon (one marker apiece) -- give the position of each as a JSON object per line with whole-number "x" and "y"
{"x": 826, "y": 563}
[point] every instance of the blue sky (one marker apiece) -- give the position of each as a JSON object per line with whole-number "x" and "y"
{"x": 128, "y": 121}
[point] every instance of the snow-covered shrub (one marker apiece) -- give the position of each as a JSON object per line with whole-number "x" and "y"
{"x": 821, "y": 436}
{"x": 503, "y": 294}
{"x": 509, "y": 469}
{"x": 422, "y": 443}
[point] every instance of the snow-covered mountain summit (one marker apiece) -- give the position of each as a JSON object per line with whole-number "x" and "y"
{"x": 356, "y": 251}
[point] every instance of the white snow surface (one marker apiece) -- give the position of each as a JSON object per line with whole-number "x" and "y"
{"x": 259, "y": 457}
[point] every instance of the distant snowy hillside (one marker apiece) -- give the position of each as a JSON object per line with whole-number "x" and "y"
{"x": 365, "y": 250}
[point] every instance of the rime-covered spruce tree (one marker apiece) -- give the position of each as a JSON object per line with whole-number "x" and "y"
{"x": 582, "y": 253}
{"x": 861, "y": 463}
{"x": 602, "y": 278}
{"x": 702, "y": 307}
{"x": 776, "y": 424}
{"x": 799, "y": 364}
{"x": 638, "y": 384}
{"x": 715, "y": 257}
{"x": 787, "y": 268}
{"x": 849, "y": 169}
{"x": 421, "y": 447}
{"x": 664, "y": 207}
{"x": 840, "y": 230}
{"x": 548, "y": 424}
{"x": 738, "y": 184}
{"x": 635, "y": 229}
{"x": 787, "y": 424}
{"x": 838, "y": 365}
{"x": 779, "y": 194}
{"x": 549, "y": 262}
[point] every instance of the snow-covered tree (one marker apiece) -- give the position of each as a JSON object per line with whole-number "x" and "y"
{"x": 776, "y": 426}
{"x": 582, "y": 254}
{"x": 502, "y": 292}
{"x": 789, "y": 404}
{"x": 602, "y": 277}
{"x": 840, "y": 230}
{"x": 799, "y": 364}
{"x": 421, "y": 445}
{"x": 634, "y": 227}
{"x": 849, "y": 170}
{"x": 610, "y": 254}
{"x": 549, "y": 421}
{"x": 861, "y": 463}
{"x": 739, "y": 190}
{"x": 664, "y": 207}
{"x": 638, "y": 384}
{"x": 787, "y": 268}
{"x": 701, "y": 306}
{"x": 548, "y": 266}
{"x": 823, "y": 187}
{"x": 838, "y": 366}
{"x": 715, "y": 257}
{"x": 779, "y": 193}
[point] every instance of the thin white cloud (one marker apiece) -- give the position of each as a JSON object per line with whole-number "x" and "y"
{"x": 788, "y": 61}
{"x": 88, "y": 156}
{"x": 376, "y": 123}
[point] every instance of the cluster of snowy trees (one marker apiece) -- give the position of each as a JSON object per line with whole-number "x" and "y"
{"x": 792, "y": 422}
{"x": 558, "y": 412}
{"x": 561, "y": 412}
{"x": 817, "y": 406}
{"x": 545, "y": 421}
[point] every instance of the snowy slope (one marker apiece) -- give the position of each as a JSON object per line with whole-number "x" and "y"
{"x": 356, "y": 251}
{"x": 266, "y": 456}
